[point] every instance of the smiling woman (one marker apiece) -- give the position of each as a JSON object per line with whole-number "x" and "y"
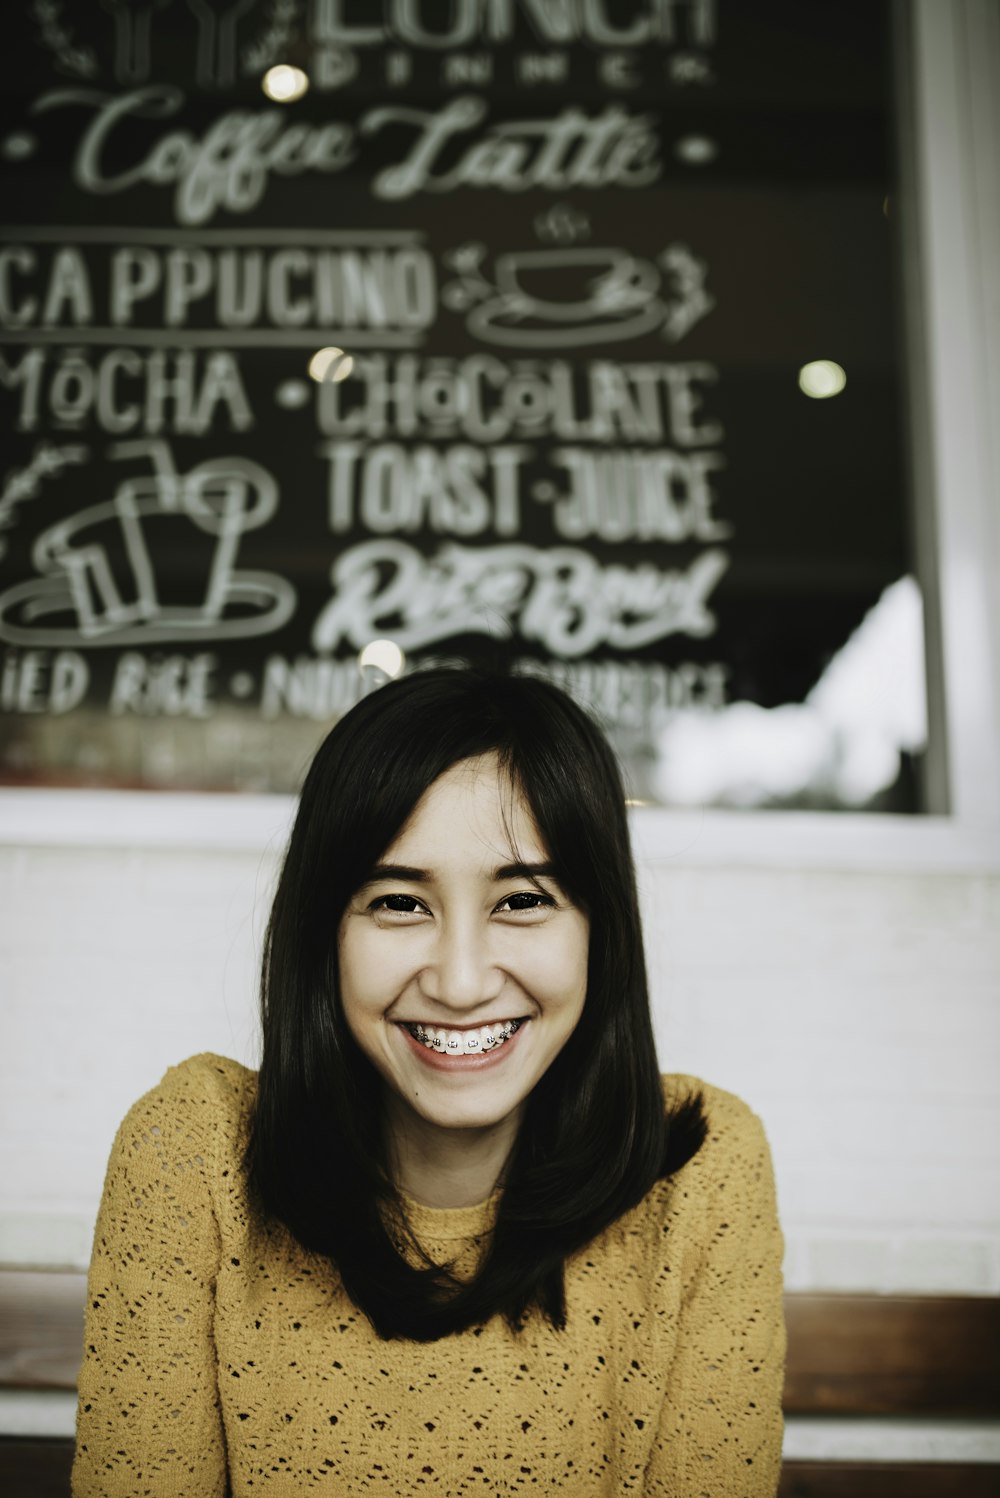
{"x": 459, "y": 1232}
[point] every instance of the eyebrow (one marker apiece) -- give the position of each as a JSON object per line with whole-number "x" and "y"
{"x": 525, "y": 871}
{"x": 383, "y": 872}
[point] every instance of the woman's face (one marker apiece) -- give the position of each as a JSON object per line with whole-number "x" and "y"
{"x": 463, "y": 963}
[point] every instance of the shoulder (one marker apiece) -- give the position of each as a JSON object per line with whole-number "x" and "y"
{"x": 710, "y": 1208}
{"x": 216, "y": 1080}
{"x": 175, "y": 1162}
{"x": 731, "y": 1123}
{"x": 720, "y": 1206}
{"x": 205, "y": 1099}
{"x": 735, "y": 1157}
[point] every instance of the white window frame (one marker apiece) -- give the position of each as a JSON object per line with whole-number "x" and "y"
{"x": 949, "y": 90}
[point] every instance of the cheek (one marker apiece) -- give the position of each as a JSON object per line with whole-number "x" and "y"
{"x": 372, "y": 971}
{"x": 355, "y": 980}
{"x": 559, "y": 971}
{"x": 360, "y": 1000}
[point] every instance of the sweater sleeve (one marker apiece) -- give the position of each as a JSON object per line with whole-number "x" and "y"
{"x": 148, "y": 1418}
{"x": 720, "y": 1429}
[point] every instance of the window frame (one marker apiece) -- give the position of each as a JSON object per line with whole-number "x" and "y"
{"x": 948, "y": 68}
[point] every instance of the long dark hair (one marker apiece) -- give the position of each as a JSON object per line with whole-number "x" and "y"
{"x": 595, "y": 1134}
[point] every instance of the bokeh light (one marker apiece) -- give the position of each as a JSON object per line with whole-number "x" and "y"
{"x": 384, "y": 655}
{"x": 330, "y": 364}
{"x": 695, "y": 150}
{"x": 284, "y": 83}
{"x": 821, "y": 379}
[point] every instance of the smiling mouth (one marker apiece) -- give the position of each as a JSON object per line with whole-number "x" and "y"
{"x": 472, "y": 1042}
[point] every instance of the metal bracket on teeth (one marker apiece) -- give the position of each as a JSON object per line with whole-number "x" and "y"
{"x": 471, "y": 1045}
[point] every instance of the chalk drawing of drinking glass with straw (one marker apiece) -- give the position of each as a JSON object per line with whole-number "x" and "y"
{"x": 156, "y": 562}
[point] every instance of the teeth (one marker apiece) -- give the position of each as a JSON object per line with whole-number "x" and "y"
{"x": 464, "y": 1042}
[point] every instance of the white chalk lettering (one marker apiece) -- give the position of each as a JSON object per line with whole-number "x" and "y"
{"x": 72, "y": 392}
{"x": 311, "y": 687}
{"x": 228, "y": 169}
{"x": 640, "y": 695}
{"x": 544, "y": 67}
{"x": 286, "y": 288}
{"x": 172, "y": 686}
{"x": 392, "y": 288}
{"x": 68, "y": 291}
{"x": 560, "y": 597}
{"x": 16, "y": 310}
{"x": 486, "y": 399}
{"x": 551, "y": 23}
{"x": 122, "y": 391}
{"x": 460, "y": 490}
{"x": 622, "y": 495}
{"x": 135, "y": 275}
{"x": 42, "y": 681}
{"x": 26, "y": 377}
{"x": 569, "y": 150}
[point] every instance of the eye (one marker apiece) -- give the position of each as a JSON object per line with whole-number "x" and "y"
{"x": 401, "y": 905}
{"x": 528, "y": 899}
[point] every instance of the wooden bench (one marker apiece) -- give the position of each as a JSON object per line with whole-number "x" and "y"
{"x": 848, "y": 1356}
{"x": 922, "y": 1357}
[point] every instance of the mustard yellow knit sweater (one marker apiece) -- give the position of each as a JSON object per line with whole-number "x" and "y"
{"x": 221, "y": 1358}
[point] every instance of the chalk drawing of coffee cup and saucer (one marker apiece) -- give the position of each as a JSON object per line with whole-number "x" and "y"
{"x": 570, "y": 296}
{"x": 108, "y": 574}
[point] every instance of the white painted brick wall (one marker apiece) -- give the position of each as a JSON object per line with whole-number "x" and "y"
{"x": 858, "y": 1013}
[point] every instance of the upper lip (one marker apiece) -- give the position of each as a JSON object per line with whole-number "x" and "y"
{"x": 437, "y": 1024}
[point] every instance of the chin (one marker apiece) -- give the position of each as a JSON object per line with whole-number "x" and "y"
{"x": 469, "y": 1113}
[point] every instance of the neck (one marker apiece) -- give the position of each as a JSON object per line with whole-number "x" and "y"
{"x": 448, "y": 1167}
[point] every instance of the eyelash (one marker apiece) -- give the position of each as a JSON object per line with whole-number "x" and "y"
{"x": 542, "y": 901}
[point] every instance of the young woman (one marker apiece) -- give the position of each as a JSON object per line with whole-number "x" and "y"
{"x": 458, "y": 1236}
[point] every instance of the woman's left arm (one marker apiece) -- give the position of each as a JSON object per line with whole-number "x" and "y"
{"x": 720, "y": 1428}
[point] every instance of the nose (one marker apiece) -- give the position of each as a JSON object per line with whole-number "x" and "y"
{"x": 461, "y": 972}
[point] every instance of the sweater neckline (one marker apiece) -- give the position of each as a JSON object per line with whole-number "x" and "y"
{"x": 451, "y": 1222}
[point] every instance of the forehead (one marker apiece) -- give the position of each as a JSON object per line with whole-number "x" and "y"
{"x": 472, "y": 802}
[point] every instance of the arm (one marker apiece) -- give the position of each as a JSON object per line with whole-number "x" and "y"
{"x": 148, "y": 1418}
{"x": 720, "y": 1429}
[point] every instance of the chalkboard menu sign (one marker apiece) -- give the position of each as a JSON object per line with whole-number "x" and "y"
{"x": 488, "y": 342}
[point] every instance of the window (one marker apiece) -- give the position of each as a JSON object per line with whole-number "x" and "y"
{"x": 659, "y": 358}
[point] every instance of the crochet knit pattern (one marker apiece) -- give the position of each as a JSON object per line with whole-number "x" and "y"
{"x": 222, "y": 1358}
